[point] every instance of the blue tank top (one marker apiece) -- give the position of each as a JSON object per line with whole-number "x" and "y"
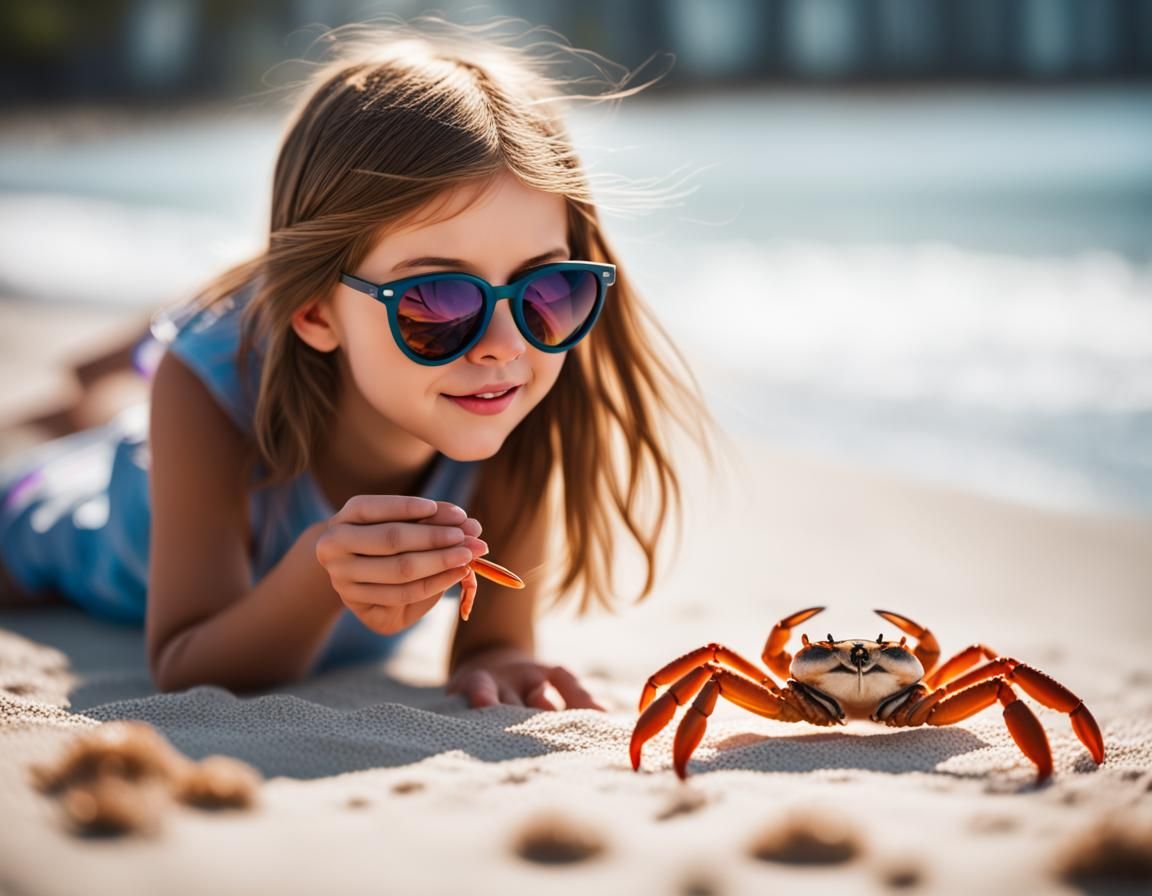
{"x": 75, "y": 516}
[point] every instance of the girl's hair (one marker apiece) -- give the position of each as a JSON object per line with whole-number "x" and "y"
{"x": 400, "y": 115}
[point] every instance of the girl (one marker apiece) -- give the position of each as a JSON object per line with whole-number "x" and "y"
{"x": 416, "y": 337}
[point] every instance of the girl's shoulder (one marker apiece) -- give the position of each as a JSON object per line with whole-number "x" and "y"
{"x": 207, "y": 339}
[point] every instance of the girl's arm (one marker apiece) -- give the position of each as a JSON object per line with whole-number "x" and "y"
{"x": 491, "y": 660}
{"x": 206, "y": 623}
{"x": 503, "y": 619}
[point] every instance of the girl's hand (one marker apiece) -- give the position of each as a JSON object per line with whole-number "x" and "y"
{"x": 391, "y": 557}
{"x": 509, "y": 675}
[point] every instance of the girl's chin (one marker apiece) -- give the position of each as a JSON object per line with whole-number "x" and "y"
{"x": 471, "y": 450}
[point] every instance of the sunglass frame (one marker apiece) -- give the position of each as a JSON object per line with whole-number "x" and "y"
{"x": 390, "y": 294}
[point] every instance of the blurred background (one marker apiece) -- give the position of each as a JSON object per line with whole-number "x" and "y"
{"x": 915, "y": 234}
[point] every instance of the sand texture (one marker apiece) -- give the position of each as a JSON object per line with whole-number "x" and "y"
{"x": 375, "y": 781}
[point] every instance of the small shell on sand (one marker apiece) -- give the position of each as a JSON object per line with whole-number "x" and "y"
{"x": 112, "y": 805}
{"x": 807, "y": 838}
{"x": 121, "y": 777}
{"x": 553, "y": 839}
{"x": 218, "y": 782}
{"x": 131, "y": 751}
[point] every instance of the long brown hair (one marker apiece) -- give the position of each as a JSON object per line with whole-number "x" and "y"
{"x": 400, "y": 115}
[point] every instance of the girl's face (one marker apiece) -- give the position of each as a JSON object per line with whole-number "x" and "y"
{"x": 495, "y": 232}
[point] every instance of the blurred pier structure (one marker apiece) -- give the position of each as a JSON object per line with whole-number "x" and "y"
{"x": 167, "y": 49}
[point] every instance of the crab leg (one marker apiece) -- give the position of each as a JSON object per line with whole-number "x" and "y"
{"x": 1045, "y": 689}
{"x": 1022, "y": 723}
{"x": 692, "y": 727}
{"x": 716, "y": 653}
{"x": 493, "y": 572}
{"x": 927, "y": 647}
{"x": 962, "y": 661}
{"x": 711, "y": 680}
{"x": 775, "y": 657}
{"x": 986, "y": 684}
{"x": 660, "y": 713}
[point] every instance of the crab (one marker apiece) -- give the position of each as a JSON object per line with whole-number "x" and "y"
{"x": 856, "y": 678}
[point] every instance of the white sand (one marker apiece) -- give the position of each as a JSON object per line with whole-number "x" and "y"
{"x": 380, "y": 783}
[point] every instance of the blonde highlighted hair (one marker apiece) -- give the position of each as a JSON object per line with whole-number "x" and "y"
{"x": 400, "y": 114}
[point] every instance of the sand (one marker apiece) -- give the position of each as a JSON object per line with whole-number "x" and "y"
{"x": 378, "y": 782}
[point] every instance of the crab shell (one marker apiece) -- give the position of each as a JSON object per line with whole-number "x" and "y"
{"x": 859, "y": 675}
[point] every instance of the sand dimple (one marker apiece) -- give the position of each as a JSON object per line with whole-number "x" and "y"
{"x": 992, "y": 823}
{"x": 807, "y": 838}
{"x": 901, "y": 875}
{"x": 700, "y": 884}
{"x": 685, "y": 802}
{"x": 1118, "y": 850}
{"x": 554, "y": 839}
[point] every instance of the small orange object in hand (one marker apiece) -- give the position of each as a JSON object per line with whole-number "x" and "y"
{"x": 493, "y": 572}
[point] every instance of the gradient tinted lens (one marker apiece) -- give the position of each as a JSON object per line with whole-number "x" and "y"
{"x": 438, "y": 317}
{"x": 557, "y": 304}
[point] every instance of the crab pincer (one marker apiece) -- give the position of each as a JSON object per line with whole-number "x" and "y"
{"x": 493, "y": 572}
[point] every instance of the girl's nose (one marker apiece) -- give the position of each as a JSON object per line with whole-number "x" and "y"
{"x": 502, "y": 341}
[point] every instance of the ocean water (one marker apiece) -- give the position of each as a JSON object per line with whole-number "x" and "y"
{"x": 953, "y": 286}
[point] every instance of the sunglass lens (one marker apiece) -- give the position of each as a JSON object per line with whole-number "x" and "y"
{"x": 557, "y": 304}
{"x": 440, "y": 316}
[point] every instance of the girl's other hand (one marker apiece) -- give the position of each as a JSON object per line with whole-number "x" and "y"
{"x": 391, "y": 557}
{"x": 509, "y": 675}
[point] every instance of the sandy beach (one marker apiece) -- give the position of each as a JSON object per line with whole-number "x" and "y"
{"x": 377, "y": 781}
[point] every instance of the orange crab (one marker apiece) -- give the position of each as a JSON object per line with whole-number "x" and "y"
{"x": 858, "y": 679}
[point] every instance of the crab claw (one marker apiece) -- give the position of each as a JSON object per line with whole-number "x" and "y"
{"x": 927, "y": 647}
{"x": 775, "y": 656}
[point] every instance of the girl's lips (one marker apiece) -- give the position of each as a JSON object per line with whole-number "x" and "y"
{"x": 484, "y": 406}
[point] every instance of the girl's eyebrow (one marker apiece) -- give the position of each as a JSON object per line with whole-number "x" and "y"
{"x": 435, "y": 261}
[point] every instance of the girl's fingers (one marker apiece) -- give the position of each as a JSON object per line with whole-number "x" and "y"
{"x": 571, "y": 690}
{"x": 508, "y": 695}
{"x": 404, "y": 568}
{"x": 445, "y": 514}
{"x": 408, "y": 593}
{"x": 479, "y": 689}
{"x": 537, "y": 699}
{"x": 383, "y": 539}
{"x": 362, "y": 509}
{"x": 451, "y": 515}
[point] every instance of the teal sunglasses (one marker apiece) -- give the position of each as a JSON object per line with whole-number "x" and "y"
{"x": 438, "y": 317}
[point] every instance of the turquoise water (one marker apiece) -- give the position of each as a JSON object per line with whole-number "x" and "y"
{"x": 957, "y": 286}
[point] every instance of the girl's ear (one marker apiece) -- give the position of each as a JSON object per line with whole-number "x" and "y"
{"x": 313, "y": 324}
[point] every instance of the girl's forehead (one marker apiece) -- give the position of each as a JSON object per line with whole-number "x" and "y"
{"x": 483, "y": 224}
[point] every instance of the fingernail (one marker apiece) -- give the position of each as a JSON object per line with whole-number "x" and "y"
{"x": 476, "y": 546}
